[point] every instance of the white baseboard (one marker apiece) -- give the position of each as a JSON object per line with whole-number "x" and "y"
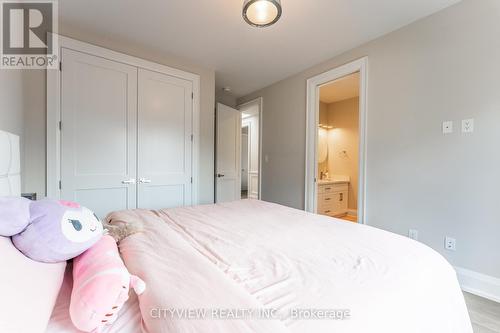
{"x": 479, "y": 284}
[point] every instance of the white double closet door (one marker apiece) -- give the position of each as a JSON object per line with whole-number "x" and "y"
{"x": 126, "y": 135}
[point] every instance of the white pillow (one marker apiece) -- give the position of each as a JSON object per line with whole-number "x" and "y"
{"x": 28, "y": 290}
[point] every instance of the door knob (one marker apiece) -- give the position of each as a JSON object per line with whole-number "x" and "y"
{"x": 144, "y": 181}
{"x": 128, "y": 181}
{"x": 219, "y": 175}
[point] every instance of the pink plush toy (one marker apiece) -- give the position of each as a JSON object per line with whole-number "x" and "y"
{"x": 101, "y": 285}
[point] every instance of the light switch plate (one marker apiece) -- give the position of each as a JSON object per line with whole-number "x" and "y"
{"x": 468, "y": 126}
{"x": 447, "y": 127}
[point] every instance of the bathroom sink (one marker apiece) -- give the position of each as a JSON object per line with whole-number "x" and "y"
{"x": 337, "y": 179}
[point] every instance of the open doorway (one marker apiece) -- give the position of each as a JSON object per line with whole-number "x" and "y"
{"x": 335, "y": 142}
{"x": 244, "y": 161}
{"x": 250, "y": 149}
{"x": 338, "y": 148}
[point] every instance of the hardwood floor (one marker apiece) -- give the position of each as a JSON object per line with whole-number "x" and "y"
{"x": 349, "y": 218}
{"x": 484, "y": 314}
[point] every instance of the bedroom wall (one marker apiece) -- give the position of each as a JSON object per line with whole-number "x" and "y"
{"x": 12, "y": 84}
{"x": 444, "y": 67}
{"x": 225, "y": 98}
{"x": 11, "y": 102}
{"x": 35, "y": 110}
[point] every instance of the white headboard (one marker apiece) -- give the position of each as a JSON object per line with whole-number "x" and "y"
{"x": 10, "y": 166}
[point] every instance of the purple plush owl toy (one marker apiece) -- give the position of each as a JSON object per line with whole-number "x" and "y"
{"x": 48, "y": 230}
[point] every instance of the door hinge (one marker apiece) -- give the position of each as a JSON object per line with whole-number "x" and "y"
{"x": 192, "y": 137}
{"x": 191, "y": 180}
{"x": 60, "y": 66}
{"x": 60, "y": 185}
{"x": 192, "y": 95}
{"x": 60, "y": 125}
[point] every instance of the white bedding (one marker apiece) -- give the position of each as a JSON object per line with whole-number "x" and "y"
{"x": 287, "y": 259}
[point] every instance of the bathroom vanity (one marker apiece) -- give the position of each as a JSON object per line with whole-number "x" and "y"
{"x": 333, "y": 197}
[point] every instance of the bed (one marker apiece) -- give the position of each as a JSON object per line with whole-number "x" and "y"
{"x": 252, "y": 266}
{"x": 253, "y": 254}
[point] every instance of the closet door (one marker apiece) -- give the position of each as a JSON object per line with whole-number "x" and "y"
{"x": 164, "y": 141}
{"x": 98, "y": 132}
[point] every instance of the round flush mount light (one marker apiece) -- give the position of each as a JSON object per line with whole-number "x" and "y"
{"x": 261, "y": 13}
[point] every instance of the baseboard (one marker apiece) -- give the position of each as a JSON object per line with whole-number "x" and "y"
{"x": 352, "y": 212}
{"x": 479, "y": 284}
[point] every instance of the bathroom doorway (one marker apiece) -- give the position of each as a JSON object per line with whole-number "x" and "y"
{"x": 338, "y": 148}
{"x": 335, "y": 142}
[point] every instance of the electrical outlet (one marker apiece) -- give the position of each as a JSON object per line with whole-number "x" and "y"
{"x": 468, "y": 126}
{"x": 413, "y": 234}
{"x": 450, "y": 243}
{"x": 447, "y": 127}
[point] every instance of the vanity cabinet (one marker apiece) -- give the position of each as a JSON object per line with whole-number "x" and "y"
{"x": 333, "y": 199}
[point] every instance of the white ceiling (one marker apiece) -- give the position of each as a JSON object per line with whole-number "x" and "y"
{"x": 212, "y": 33}
{"x": 341, "y": 89}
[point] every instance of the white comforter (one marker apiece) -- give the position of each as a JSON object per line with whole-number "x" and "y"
{"x": 299, "y": 263}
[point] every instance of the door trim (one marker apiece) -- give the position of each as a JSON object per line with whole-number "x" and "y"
{"x": 312, "y": 121}
{"x": 260, "y": 102}
{"x": 54, "y": 109}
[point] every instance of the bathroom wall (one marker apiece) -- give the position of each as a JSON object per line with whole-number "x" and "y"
{"x": 343, "y": 144}
{"x": 323, "y": 119}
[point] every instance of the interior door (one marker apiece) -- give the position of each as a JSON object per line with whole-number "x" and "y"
{"x": 228, "y": 156}
{"x": 164, "y": 141}
{"x": 98, "y": 132}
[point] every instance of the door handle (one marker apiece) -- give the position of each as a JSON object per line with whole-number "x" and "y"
{"x": 128, "y": 181}
{"x": 219, "y": 175}
{"x": 144, "y": 181}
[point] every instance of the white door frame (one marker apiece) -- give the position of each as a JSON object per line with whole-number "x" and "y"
{"x": 260, "y": 102}
{"x": 54, "y": 108}
{"x": 312, "y": 121}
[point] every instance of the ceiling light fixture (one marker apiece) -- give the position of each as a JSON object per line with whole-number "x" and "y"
{"x": 261, "y": 13}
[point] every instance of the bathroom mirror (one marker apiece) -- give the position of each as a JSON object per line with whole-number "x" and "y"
{"x": 322, "y": 145}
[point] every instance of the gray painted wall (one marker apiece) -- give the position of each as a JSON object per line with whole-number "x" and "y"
{"x": 12, "y": 103}
{"x": 34, "y": 99}
{"x": 225, "y": 98}
{"x": 444, "y": 67}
